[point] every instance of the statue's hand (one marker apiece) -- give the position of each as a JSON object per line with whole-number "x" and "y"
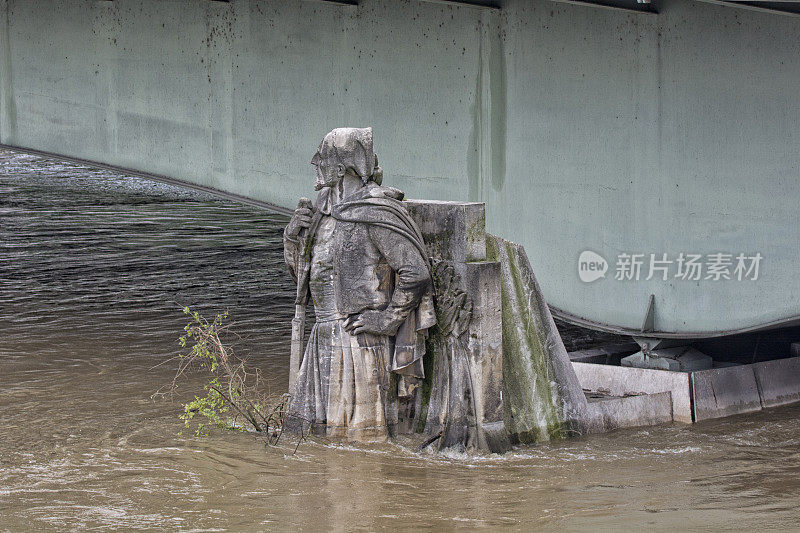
{"x": 300, "y": 219}
{"x": 371, "y": 321}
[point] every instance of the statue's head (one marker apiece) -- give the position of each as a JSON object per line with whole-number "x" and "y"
{"x": 346, "y": 151}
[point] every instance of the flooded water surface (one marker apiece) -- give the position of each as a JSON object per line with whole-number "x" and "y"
{"x": 94, "y": 270}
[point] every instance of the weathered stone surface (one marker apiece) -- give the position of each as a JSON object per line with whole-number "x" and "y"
{"x": 358, "y": 256}
{"x": 632, "y": 411}
{"x": 485, "y": 366}
{"x": 494, "y": 369}
{"x": 453, "y": 231}
{"x": 722, "y": 392}
{"x": 604, "y": 354}
{"x": 705, "y": 394}
{"x": 454, "y": 234}
{"x": 542, "y": 396}
{"x": 486, "y": 338}
{"x": 677, "y": 359}
{"x": 590, "y": 355}
{"x": 778, "y": 381}
{"x": 621, "y": 381}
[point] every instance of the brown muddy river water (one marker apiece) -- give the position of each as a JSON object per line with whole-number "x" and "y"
{"x": 94, "y": 270}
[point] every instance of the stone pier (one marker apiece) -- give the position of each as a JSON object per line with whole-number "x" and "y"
{"x": 523, "y": 384}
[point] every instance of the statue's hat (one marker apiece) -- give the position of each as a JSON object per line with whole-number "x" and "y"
{"x": 352, "y": 147}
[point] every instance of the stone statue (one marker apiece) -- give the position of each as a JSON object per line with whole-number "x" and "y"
{"x": 361, "y": 258}
{"x": 396, "y": 284}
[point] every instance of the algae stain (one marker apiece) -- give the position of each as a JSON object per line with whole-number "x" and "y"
{"x": 492, "y": 251}
{"x": 498, "y": 107}
{"x": 432, "y": 344}
{"x": 531, "y": 402}
{"x": 486, "y": 150}
{"x": 8, "y": 106}
{"x": 473, "y": 145}
{"x": 475, "y": 232}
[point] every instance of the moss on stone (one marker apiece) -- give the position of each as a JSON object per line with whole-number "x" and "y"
{"x": 475, "y": 232}
{"x": 431, "y": 346}
{"x": 532, "y": 405}
{"x": 492, "y": 252}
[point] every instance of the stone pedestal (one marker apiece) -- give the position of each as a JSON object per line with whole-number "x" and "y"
{"x": 524, "y": 384}
{"x": 542, "y": 396}
{"x": 455, "y": 234}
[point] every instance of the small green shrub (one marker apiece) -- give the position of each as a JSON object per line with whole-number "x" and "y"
{"x": 236, "y": 397}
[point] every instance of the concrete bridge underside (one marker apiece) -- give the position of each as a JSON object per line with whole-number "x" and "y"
{"x": 582, "y": 128}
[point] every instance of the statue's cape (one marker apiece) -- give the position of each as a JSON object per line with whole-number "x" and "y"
{"x": 382, "y": 207}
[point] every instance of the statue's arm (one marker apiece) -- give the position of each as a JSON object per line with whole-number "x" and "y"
{"x": 413, "y": 277}
{"x": 291, "y": 253}
{"x": 292, "y": 244}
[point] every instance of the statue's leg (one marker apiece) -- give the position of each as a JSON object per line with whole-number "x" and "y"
{"x": 310, "y": 395}
{"x": 359, "y": 385}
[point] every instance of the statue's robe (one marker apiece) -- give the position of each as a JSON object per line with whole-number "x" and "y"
{"x": 367, "y": 254}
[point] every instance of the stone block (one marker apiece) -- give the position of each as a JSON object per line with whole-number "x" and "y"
{"x": 632, "y": 411}
{"x": 722, "y": 392}
{"x": 604, "y": 354}
{"x": 455, "y": 235}
{"x": 541, "y": 393}
{"x": 482, "y": 284}
{"x": 496, "y": 437}
{"x": 778, "y": 381}
{"x": 678, "y": 359}
{"x": 453, "y": 231}
{"x": 589, "y": 355}
{"x": 621, "y": 381}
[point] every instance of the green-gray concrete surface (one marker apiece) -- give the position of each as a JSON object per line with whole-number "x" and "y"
{"x": 582, "y": 128}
